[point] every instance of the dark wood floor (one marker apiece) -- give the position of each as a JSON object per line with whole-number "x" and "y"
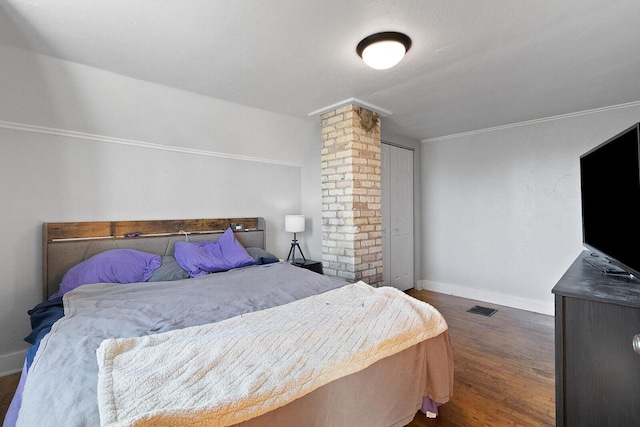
{"x": 504, "y": 366}
{"x": 8, "y": 386}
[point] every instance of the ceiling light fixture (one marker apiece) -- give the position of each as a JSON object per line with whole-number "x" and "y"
{"x": 383, "y": 50}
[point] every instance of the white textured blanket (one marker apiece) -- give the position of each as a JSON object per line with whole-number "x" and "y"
{"x": 228, "y": 372}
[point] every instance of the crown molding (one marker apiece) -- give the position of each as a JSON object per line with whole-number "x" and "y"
{"x": 533, "y": 122}
{"x": 134, "y": 143}
{"x": 352, "y": 101}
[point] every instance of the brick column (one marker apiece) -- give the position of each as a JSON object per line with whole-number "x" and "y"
{"x": 351, "y": 193}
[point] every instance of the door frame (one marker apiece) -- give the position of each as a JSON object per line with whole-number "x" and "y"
{"x": 386, "y": 224}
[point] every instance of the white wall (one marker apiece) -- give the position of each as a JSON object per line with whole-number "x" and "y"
{"x": 311, "y": 181}
{"x": 501, "y": 209}
{"x": 80, "y": 144}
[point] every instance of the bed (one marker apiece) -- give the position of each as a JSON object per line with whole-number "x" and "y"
{"x": 244, "y": 346}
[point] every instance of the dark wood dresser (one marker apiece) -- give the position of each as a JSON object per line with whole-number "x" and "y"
{"x": 597, "y": 369}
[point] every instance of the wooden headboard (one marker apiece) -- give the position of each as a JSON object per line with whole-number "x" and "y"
{"x": 65, "y": 244}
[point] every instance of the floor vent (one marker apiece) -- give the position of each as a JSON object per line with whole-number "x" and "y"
{"x": 484, "y": 311}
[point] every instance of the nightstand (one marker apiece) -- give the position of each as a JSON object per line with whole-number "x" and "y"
{"x": 308, "y": 264}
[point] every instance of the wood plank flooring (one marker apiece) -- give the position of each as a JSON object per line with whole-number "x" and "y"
{"x": 8, "y": 386}
{"x": 503, "y": 366}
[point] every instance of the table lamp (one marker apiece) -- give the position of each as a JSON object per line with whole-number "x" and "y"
{"x": 294, "y": 224}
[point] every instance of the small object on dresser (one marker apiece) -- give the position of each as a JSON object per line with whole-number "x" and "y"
{"x": 309, "y": 264}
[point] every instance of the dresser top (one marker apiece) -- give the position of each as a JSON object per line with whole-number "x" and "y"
{"x": 585, "y": 281}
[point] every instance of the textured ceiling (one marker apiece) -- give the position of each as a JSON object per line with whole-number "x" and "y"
{"x": 473, "y": 64}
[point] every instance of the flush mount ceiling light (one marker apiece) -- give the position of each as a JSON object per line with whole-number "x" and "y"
{"x": 383, "y": 50}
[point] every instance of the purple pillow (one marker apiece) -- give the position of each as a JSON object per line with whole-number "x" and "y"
{"x": 200, "y": 258}
{"x": 113, "y": 266}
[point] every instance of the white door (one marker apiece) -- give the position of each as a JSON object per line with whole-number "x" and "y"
{"x": 397, "y": 216}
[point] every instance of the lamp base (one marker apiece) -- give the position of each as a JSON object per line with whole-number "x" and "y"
{"x": 292, "y": 252}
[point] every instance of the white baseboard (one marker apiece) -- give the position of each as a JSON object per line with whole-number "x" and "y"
{"x": 528, "y": 304}
{"x": 11, "y": 363}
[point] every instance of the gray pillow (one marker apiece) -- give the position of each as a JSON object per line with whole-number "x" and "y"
{"x": 261, "y": 256}
{"x": 168, "y": 270}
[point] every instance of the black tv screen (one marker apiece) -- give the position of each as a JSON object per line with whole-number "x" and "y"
{"x": 610, "y": 179}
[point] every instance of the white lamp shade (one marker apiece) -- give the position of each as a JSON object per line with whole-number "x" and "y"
{"x": 383, "y": 54}
{"x": 294, "y": 223}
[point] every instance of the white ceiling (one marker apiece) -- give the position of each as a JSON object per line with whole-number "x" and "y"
{"x": 473, "y": 64}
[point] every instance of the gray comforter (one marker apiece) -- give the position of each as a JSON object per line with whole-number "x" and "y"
{"x": 61, "y": 388}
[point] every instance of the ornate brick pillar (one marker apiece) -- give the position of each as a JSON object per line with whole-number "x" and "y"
{"x": 351, "y": 194}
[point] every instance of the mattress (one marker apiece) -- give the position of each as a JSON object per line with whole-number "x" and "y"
{"x": 61, "y": 387}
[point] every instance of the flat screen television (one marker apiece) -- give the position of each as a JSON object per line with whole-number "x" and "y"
{"x": 610, "y": 186}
